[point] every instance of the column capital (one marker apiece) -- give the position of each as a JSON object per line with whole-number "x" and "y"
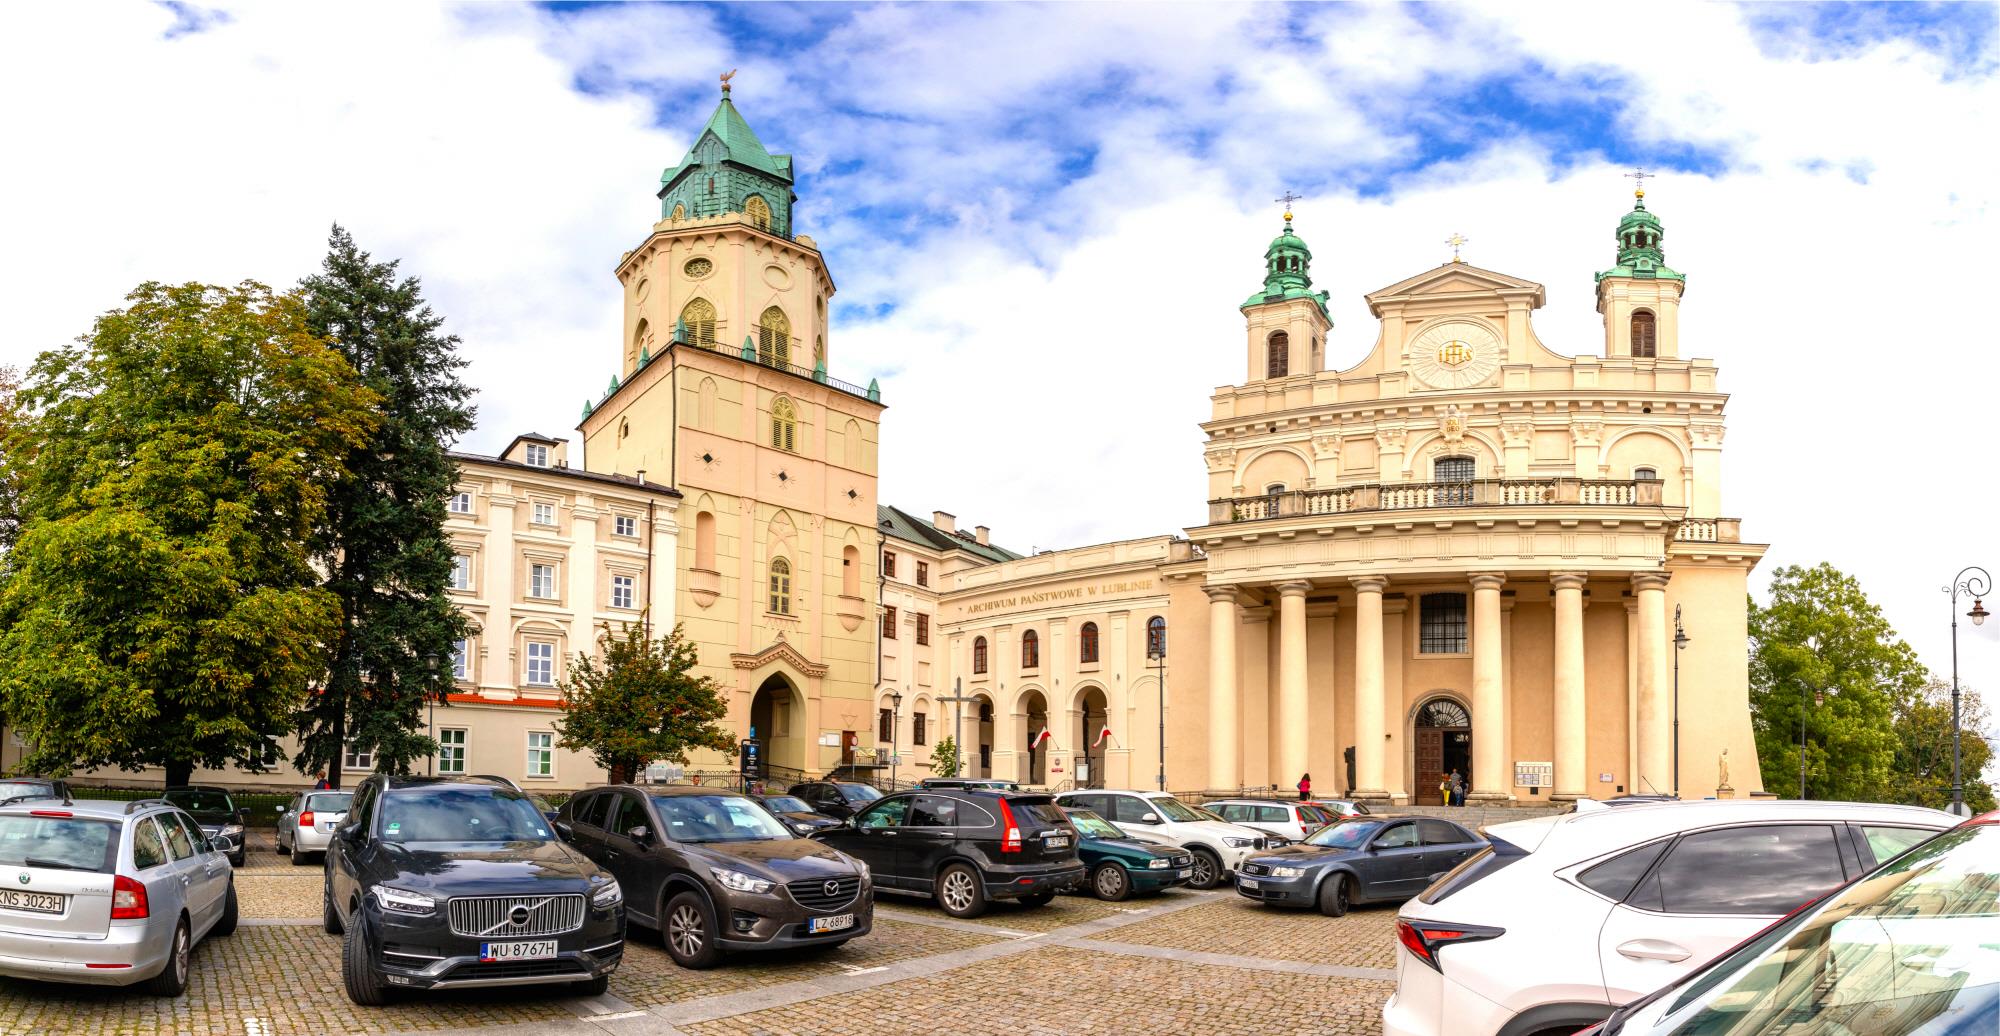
{"x": 1643, "y": 581}
{"x": 1488, "y": 580}
{"x": 1295, "y": 588}
{"x": 1369, "y": 584}
{"x": 1568, "y": 580}
{"x": 1218, "y": 594}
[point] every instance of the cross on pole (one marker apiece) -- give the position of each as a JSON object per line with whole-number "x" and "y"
{"x": 958, "y": 697}
{"x": 1456, "y": 241}
{"x": 1287, "y": 201}
{"x": 1639, "y": 176}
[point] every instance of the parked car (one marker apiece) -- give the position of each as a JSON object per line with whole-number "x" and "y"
{"x": 796, "y": 814}
{"x": 713, "y": 871}
{"x": 969, "y": 782}
{"x": 109, "y": 893}
{"x": 1906, "y": 949}
{"x": 1218, "y": 847}
{"x": 836, "y": 799}
{"x": 1587, "y": 805}
{"x": 1564, "y": 918}
{"x": 1357, "y": 860}
{"x": 442, "y": 882}
{"x": 1337, "y": 808}
{"x": 220, "y": 820}
{"x": 1119, "y": 865}
{"x": 1291, "y": 821}
{"x": 306, "y": 824}
{"x": 966, "y": 848}
{"x": 15, "y": 788}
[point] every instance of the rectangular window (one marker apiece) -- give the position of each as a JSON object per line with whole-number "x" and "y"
{"x": 885, "y": 724}
{"x": 541, "y": 754}
{"x": 923, "y": 573}
{"x": 451, "y": 750}
{"x": 358, "y": 758}
{"x": 621, "y": 591}
{"x": 461, "y": 572}
{"x": 541, "y": 670}
{"x": 461, "y": 660}
{"x": 542, "y": 582}
{"x": 889, "y": 564}
{"x": 625, "y": 525}
{"x": 917, "y": 723}
{"x": 889, "y": 622}
{"x": 923, "y": 629}
{"x": 545, "y": 514}
{"x": 1443, "y": 625}
{"x": 536, "y": 456}
{"x": 461, "y": 503}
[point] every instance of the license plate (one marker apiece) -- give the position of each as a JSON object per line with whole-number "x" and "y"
{"x": 33, "y": 902}
{"x": 1056, "y": 842}
{"x": 1184, "y": 873}
{"x": 829, "y": 924}
{"x": 1248, "y": 883}
{"x": 539, "y": 949}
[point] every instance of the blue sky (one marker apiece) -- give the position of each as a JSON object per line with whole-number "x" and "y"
{"x": 1041, "y": 218}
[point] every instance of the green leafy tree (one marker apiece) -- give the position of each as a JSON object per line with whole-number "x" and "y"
{"x": 383, "y": 546}
{"x": 10, "y": 486}
{"x": 641, "y": 702}
{"x": 944, "y": 758}
{"x": 1923, "y": 747}
{"x": 1821, "y": 648}
{"x": 161, "y": 608}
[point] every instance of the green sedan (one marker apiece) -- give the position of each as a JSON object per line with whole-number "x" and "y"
{"x": 1120, "y": 865}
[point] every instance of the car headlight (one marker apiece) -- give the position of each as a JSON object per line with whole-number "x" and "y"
{"x": 738, "y": 881}
{"x": 608, "y": 894}
{"x": 232, "y": 830}
{"x": 403, "y": 901}
{"x": 1159, "y": 863}
{"x": 1288, "y": 872}
{"x": 861, "y": 867}
{"x": 1239, "y": 843}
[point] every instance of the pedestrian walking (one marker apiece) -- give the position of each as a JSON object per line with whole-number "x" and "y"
{"x": 1305, "y": 787}
{"x": 1457, "y": 789}
{"x": 322, "y": 785}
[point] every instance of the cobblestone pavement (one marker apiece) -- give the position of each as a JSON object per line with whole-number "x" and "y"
{"x": 1185, "y": 962}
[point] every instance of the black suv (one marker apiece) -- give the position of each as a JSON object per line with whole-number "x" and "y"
{"x": 455, "y": 882}
{"x": 714, "y": 870}
{"x": 967, "y": 848}
{"x": 217, "y": 814}
{"x": 836, "y": 799}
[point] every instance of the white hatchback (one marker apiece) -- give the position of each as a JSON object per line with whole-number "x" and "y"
{"x": 1562, "y": 919}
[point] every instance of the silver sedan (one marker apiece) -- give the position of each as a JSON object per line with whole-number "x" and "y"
{"x": 108, "y": 893}
{"x": 306, "y": 823}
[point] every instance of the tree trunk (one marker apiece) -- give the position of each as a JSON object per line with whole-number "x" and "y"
{"x": 179, "y": 772}
{"x": 620, "y": 772}
{"x": 339, "y": 749}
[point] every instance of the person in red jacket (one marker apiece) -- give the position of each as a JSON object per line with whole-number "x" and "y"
{"x": 1305, "y": 787}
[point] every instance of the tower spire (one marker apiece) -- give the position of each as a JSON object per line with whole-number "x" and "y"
{"x": 1641, "y": 237}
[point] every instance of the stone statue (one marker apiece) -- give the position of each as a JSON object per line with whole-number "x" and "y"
{"x": 1722, "y": 769}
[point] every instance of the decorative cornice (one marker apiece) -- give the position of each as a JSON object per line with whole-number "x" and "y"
{"x": 779, "y": 650}
{"x": 1705, "y": 434}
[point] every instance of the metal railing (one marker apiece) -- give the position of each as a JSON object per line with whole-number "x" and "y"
{"x": 756, "y": 349}
{"x": 1417, "y": 496}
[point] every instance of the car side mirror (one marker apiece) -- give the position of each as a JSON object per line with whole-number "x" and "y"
{"x": 639, "y": 834}
{"x": 1149, "y": 818}
{"x": 563, "y": 830}
{"x": 243, "y": 815}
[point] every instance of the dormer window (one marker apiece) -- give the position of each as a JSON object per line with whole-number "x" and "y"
{"x": 535, "y": 456}
{"x": 1278, "y": 354}
{"x": 1644, "y": 342}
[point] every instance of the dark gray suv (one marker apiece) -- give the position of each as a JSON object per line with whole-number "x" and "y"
{"x": 714, "y": 870}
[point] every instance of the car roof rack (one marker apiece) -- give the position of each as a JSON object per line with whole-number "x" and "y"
{"x": 495, "y": 778}
{"x": 66, "y": 800}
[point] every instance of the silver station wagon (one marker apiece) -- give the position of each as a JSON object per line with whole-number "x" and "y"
{"x": 108, "y": 893}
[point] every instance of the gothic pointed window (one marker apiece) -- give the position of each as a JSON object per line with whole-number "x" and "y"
{"x": 1278, "y": 354}
{"x": 699, "y": 316}
{"x": 1031, "y": 650}
{"x": 1643, "y": 341}
{"x": 774, "y": 338}
{"x": 781, "y": 586}
{"x": 758, "y": 211}
{"x": 784, "y": 425}
{"x": 1086, "y": 643}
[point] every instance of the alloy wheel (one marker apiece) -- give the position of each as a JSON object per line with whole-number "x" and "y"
{"x": 685, "y": 931}
{"x": 180, "y": 964}
{"x": 1204, "y": 871}
{"x": 957, "y": 890}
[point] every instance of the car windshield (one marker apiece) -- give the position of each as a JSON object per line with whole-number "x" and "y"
{"x": 787, "y": 804}
{"x": 201, "y": 800}
{"x": 1176, "y": 810}
{"x": 1090, "y": 825}
{"x": 717, "y": 818}
{"x": 329, "y": 802}
{"x": 461, "y": 813}
{"x": 1343, "y": 834}
{"x": 859, "y": 794}
{"x": 11, "y": 790}
{"x": 1913, "y": 947}
{"x": 58, "y": 843}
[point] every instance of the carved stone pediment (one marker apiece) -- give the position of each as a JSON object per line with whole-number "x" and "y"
{"x": 779, "y": 650}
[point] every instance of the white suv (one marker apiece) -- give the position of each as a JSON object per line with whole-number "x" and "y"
{"x": 1159, "y": 818}
{"x": 1290, "y": 821}
{"x": 1563, "y": 919}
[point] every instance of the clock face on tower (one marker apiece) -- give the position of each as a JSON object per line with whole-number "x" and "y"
{"x": 1454, "y": 354}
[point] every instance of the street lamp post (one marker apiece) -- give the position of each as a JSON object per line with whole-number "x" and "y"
{"x": 1156, "y": 652}
{"x": 958, "y": 699}
{"x": 1974, "y": 581}
{"x": 1680, "y": 643}
{"x": 895, "y": 732}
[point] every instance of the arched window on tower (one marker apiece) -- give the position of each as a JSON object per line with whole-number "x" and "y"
{"x": 1031, "y": 650}
{"x": 699, "y": 316}
{"x": 850, "y": 571}
{"x": 781, "y": 586}
{"x": 1643, "y": 341}
{"x": 1645, "y": 474}
{"x": 784, "y": 425}
{"x": 774, "y": 338}
{"x": 758, "y": 211}
{"x": 1086, "y": 643}
{"x": 979, "y": 654}
{"x": 1278, "y": 354}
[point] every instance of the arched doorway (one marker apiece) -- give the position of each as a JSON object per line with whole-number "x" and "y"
{"x": 1036, "y": 709}
{"x": 1092, "y": 712}
{"x": 776, "y": 715}
{"x": 982, "y": 763}
{"x": 1441, "y": 734}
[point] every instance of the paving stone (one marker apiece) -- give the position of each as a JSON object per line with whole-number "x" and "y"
{"x": 648, "y": 976}
{"x": 1365, "y": 938}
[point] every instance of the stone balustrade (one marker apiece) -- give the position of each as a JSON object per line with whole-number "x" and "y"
{"x": 1420, "y": 496}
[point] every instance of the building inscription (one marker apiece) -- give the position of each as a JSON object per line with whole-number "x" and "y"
{"x": 1074, "y": 593}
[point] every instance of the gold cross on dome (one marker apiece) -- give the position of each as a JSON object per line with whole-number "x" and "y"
{"x": 1639, "y": 176}
{"x": 1287, "y": 201}
{"x": 1456, "y": 241}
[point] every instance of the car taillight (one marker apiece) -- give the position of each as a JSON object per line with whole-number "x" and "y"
{"x": 128, "y": 899}
{"x": 1010, "y": 839}
{"x": 306, "y": 819}
{"x": 1424, "y": 938}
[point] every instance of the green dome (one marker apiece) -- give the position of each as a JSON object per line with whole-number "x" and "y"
{"x": 1640, "y": 252}
{"x": 1287, "y": 270}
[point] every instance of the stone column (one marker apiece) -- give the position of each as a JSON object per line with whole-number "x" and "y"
{"x": 1292, "y": 717}
{"x": 1224, "y": 706}
{"x": 1368, "y": 692}
{"x": 1655, "y": 711}
{"x": 1572, "y": 727}
{"x": 1489, "y": 703}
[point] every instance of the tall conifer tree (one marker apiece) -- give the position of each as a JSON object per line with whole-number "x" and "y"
{"x": 384, "y": 546}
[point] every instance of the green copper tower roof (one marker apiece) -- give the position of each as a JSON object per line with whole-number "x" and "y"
{"x": 725, "y": 169}
{"x": 1287, "y": 271}
{"x": 1639, "y": 253}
